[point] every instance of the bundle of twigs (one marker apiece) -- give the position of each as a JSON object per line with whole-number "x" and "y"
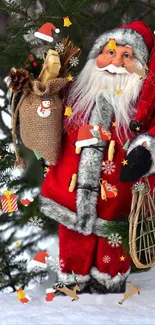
{"x": 69, "y": 50}
{"x": 142, "y": 227}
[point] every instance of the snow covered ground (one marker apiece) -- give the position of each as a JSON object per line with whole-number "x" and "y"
{"x": 88, "y": 310}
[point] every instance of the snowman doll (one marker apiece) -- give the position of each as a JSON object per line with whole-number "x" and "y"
{"x": 44, "y": 110}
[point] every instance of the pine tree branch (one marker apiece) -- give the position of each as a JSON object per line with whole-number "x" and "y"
{"x": 144, "y": 14}
{"x": 61, "y": 4}
{"x": 147, "y": 5}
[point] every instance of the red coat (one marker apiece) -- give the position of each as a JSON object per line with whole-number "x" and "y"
{"x": 82, "y": 245}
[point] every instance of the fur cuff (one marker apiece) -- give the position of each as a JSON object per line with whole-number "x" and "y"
{"x": 150, "y": 145}
{"x": 58, "y": 212}
{"x": 111, "y": 284}
{"x": 68, "y": 218}
{"x": 68, "y": 279}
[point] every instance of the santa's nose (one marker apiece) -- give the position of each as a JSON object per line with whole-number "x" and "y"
{"x": 117, "y": 61}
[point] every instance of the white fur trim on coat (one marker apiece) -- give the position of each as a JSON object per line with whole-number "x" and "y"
{"x": 67, "y": 217}
{"x": 107, "y": 280}
{"x": 150, "y": 145}
{"x": 68, "y": 279}
{"x": 122, "y": 36}
{"x": 89, "y": 170}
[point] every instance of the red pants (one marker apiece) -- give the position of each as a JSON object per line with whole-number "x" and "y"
{"x": 80, "y": 253}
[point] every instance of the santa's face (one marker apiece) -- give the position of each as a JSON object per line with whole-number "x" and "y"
{"x": 46, "y": 103}
{"x": 122, "y": 56}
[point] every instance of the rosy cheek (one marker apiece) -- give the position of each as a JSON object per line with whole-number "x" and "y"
{"x": 102, "y": 61}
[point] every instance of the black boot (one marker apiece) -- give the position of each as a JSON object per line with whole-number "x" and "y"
{"x": 97, "y": 287}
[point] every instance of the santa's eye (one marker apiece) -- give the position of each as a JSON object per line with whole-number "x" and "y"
{"x": 111, "y": 52}
{"x": 127, "y": 56}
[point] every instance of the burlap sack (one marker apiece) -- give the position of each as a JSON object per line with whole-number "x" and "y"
{"x": 42, "y": 135}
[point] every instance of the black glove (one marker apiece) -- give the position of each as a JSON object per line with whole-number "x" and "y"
{"x": 139, "y": 163}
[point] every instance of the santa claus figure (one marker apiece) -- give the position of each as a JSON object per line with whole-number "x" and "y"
{"x": 111, "y": 97}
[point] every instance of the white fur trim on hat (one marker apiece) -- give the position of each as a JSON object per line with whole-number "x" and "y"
{"x": 43, "y": 37}
{"x": 122, "y": 36}
{"x": 88, "y": 142}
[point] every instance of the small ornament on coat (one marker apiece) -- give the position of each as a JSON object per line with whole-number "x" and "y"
{"x": 67, "y": 21}
{"x": 106, "y": 259}
{"x": 26, "y": 201}
{"x": 118, "y": 92}
{"x": 108, "y": 191}
{"x": 45, "y": 32}
{"x": 111, "y": 150}
{"x": 44, "y": 110}
{"x": 85, "y": 137}
{"x": 104, "y": 134}
{"x": 126, "y": 146}
{"x": 125, "y": 162}
{"x": 114, "y": 123}
{"x": 72, "y": 182}
{"x": 22, "y": 297}
{"x": 130, "y": 292}
{"x": 115, "y": 240}
{"x": 9, "y": 202}
{"x": 112, "y": 44}
{"x": 108, "y": 167}
{"x": 122, "y": 258}
{"x": 68, "y": 111}
{"x": 46, "y": 169}
{"x": 50, "y": 294}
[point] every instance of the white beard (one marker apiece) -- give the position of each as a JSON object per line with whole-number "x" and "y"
{"x": 93, "y": 82}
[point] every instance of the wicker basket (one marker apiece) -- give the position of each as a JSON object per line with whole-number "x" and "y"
{"x": 142, "y": 226}
{"x": 42, "y": 135}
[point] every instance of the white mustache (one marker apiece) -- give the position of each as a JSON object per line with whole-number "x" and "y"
{"x": 111, "y": 68}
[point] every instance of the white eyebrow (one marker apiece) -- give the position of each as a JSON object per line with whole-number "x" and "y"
{"x": 128, "y": 46}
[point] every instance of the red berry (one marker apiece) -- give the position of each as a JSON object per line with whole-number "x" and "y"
{"x": 35, "y": 64}
{"x": 31, "y": 56}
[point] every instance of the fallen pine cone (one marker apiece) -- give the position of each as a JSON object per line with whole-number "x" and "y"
{"x": 19, "y": 80}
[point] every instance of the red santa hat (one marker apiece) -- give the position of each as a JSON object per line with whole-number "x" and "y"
{"x": 139, "y": 36}
{"x": 85, "y": 137}
{"x": 40, "y": 259}
{"x": 45, "y": 32}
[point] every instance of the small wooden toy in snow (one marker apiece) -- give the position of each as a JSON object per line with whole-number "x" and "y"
{"x": 50, "y": 294}
{"x": 22, "y": 297}
{"x": 131, "y": 292}
{"x": 68, "y": 292}
{"x": 9, "y": 202}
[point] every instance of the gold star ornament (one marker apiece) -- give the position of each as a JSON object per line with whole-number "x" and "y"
{"x": 118, "y": 92}
{"x": 114, "y": 123}
{"x": 70, "y": 78}
{"x": 47, "y": 169}
{"x": 137, "y": 128}
{"x": 17, "y": 243}
{"x": 122, "y": 258}
{"x": 125, "y": 162}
